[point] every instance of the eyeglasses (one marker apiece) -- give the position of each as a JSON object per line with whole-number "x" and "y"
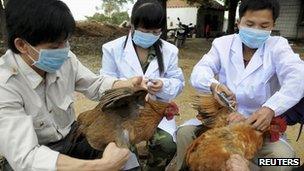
{"x": 155, "y": 33}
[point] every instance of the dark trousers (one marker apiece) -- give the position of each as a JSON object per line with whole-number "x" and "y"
{"x": 79, "y": 148}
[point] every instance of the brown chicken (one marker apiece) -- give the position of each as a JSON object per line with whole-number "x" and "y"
{"x": 210, "y": 112}
{"x": 213, "y": 147}
{"x": 122, "y": 116}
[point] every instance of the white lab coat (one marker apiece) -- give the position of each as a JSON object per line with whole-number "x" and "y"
{"x": 274, "y": 76}
{"x": 123, "y": 63}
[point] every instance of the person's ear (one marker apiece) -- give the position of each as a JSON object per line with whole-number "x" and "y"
{"x": 20, "y": 45}
{"x": 272, "y": 26}
{"x": 238, "y": 21}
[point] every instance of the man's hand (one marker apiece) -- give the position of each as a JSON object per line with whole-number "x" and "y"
{"x": 132, "y": 82}
{"x": 261, "y": 118}
{"x": 235, "y": 117}
{"x": 219, "y": 88}
{"x": 155, "y": 86}
{"x": 115, "y": 158}
{"x": 237, "y": 163}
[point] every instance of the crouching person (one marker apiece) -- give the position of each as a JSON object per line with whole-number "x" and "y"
{"x": 258, "y": 71}
{"x": 143, "y": 53}
{"x": 38, "y": 76}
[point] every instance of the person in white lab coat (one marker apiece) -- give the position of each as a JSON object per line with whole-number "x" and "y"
{"x": 143, "y": 53}
{"x": 259, "y": 72}
{"x": 38, "y": 77}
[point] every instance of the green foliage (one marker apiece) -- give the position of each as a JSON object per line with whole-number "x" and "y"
{"x": 119, "y": 17}
{"x": 119, "y": 2}
{"x": 115, "y": 18}
{"x": 98, "y": 17}
{"x": 111, "y": 6}
{"x": 112, "y": 13}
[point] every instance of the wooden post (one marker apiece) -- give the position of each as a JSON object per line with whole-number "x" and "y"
{"x": 164, "y": 4}
{"x": 231, "y": 18}
{"x": 3, "y": 23}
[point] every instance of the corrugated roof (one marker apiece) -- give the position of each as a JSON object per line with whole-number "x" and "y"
{"x": 183, "y": 4}
{"x": 214, "y": 5}
{"x": 180, "y": 4}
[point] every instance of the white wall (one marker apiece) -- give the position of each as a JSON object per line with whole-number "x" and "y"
{"x": 288, "y": 19}
{"x": 186, "y": 15}
{"x": 225, "y": 25}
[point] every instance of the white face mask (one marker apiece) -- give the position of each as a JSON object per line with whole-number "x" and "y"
{"x": 144, "y": 40}
{"x": 51, "y": 60}
{"x": 253, "y": 38}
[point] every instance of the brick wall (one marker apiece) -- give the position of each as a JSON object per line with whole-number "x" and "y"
{"x": 287, "y": 22}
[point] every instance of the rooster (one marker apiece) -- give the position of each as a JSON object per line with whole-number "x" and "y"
{"x": 218, "y": 140}
{"x": 122, "y": 116}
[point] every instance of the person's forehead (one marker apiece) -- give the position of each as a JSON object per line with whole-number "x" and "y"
{"x": 264, "y": 15}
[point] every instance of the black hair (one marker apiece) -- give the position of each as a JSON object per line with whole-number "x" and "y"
{"x": 256, "y": 5}
{"x": 38, "y": 21}
{"x": 150, "y": 14}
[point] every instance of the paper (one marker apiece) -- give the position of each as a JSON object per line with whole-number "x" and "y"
{"x": 168, "y": 126}
{"x": 193, "y": 121}
{"x": 131, "y": 163}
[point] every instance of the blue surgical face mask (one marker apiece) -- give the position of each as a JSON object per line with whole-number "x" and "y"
{"x": 144, "y": 40}
{"x": 253, "y": 38}
{"x": 51, "y": 60}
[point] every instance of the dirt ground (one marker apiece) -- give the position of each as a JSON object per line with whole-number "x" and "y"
{"x": 189, "y": 55}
